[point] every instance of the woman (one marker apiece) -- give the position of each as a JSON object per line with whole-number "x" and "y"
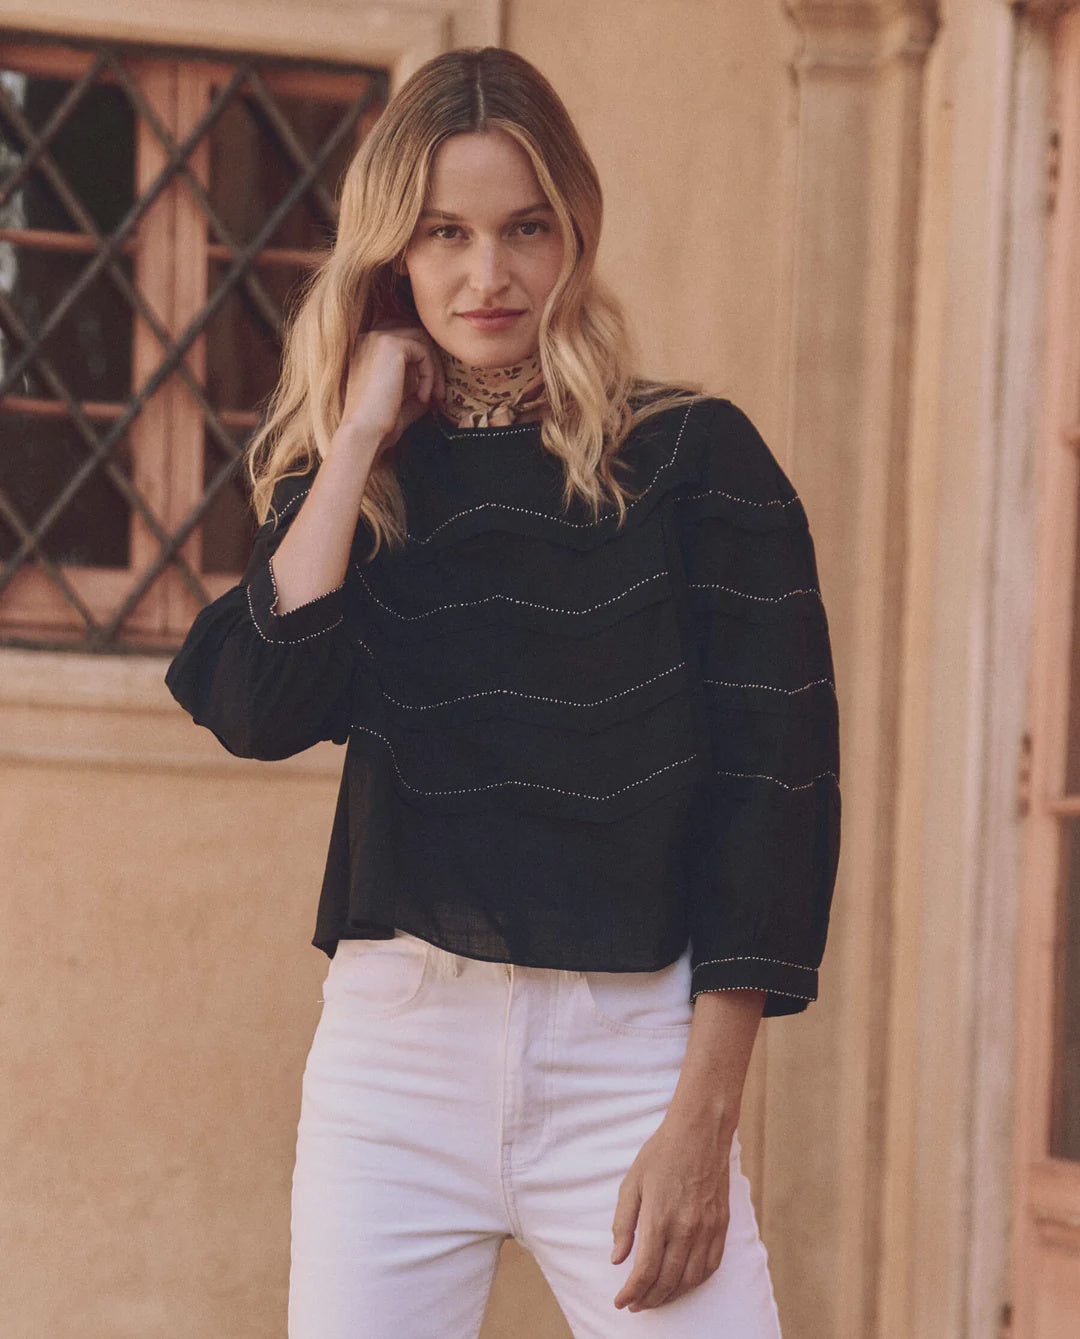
{"x": 567, "y": 621}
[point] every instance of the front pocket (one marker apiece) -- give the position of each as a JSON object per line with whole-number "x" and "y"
{"x": 642, "y": 1003}
{"x": 376, "y": 977}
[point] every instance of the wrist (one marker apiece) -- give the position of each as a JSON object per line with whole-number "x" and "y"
{"x": 358, "y": 439}
{"x": 712, "y": 1111}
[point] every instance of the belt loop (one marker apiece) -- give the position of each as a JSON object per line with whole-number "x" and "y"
{"x": 448, "y": 965}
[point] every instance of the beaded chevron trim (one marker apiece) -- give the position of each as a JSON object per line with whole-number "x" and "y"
{"x": 550, "y": 516}
{"x": 506, "y": 599}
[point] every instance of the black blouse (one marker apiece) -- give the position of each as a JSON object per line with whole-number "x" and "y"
{"x": 569, "y": 745}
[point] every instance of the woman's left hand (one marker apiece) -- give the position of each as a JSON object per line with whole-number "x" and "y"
{"x": 676, "y": 1196}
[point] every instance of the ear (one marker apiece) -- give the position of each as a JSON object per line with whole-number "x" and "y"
{"x": 401, "y": 265}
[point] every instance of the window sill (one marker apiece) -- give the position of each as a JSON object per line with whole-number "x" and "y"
{"x": 115, "y": 711}
{"x": 399, "y": 34}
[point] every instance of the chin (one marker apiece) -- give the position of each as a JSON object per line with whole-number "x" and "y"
{"x": 490, "y": 350}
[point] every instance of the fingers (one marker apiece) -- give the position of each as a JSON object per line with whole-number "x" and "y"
{"x": 418, "y": 346}
{"x": 426, "y": 366}
{"x": 437, "y": 366}
{"x": 425, "y": 379}
{"x": 668, "y": 1268}
{"x": 627, "y": 1206}
{"x": 715, "y": 1253}
{"x": 434, "y": 380}
{"x": 433, "y": 363}
{"x": 657, "y": 1271}
{"x": 694, "y": 1271}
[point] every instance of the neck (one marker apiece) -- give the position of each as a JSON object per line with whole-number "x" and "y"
{"x": 480, "y": 397}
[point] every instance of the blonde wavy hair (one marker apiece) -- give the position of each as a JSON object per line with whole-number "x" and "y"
{"x": 594, "y": 396}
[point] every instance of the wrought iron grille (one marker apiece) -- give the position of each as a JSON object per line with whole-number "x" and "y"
{"x": 158, "y": 209}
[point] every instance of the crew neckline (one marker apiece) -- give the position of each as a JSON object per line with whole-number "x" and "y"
{"x": 449, "y": 430}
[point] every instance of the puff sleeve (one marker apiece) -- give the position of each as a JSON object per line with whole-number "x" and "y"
{"x": 267, "y": 685}
{"x": 766, "y": 827}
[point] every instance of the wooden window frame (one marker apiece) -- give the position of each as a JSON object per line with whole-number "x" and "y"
{"x": 396, "y": 36}
{"x": 1046, "y": 1236}
{"x": 167, "y": 433}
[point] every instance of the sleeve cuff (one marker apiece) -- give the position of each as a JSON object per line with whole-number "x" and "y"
{"x": 791, "y": 986}
{"x": 311, "y": 619}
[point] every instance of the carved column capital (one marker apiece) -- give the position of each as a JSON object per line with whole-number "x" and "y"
{"x": 1046, "y": 11}
{"x": 862, "y": 33}
{"x": 859, "y": 13}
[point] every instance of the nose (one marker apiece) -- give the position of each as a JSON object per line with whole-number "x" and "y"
{"x": 489, "y": 271}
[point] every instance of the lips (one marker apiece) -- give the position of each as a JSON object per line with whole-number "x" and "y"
{"x": 492, "y": 318}
{"x": 489, "y": 312}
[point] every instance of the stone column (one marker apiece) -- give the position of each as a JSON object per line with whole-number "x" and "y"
{"x": 859, "y": 72}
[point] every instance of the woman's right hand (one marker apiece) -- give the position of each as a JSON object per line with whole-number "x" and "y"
{"x": 394, "y": 374}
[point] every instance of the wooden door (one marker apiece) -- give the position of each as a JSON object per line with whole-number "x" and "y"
{"x": 1046, "y": 1233}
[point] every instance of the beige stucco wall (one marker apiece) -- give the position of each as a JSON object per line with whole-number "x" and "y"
{"x": 157, "y": 986}
{"x": 156, "y": 1005}
{"x": 687, "y": 110}
{"x": 159, "y": 989}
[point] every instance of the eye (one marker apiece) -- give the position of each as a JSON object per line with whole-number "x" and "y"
{"x": 534, "y": 223}
{"x": 441, "y": 229}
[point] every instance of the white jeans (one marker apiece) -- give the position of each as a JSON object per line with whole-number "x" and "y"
{"x": 449, "y": 1103}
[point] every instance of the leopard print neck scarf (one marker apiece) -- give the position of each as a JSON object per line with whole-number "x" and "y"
{"x": 483, "y": 397}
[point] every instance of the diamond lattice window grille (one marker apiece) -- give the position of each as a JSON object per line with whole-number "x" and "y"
{"x": 158, "y": 209}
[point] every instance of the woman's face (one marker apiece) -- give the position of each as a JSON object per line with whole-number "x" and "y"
{"x": 487, "y": 241}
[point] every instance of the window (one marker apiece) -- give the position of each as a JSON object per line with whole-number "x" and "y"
{"x": 158, "y": 209}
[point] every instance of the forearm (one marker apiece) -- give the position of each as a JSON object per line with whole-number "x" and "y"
{"x": 313, "y": 557}
{"x": 722, "y": 1033}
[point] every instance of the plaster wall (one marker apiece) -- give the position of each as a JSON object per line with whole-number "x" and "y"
{"x": 157, "y": 986}
{"x": 154, "y": 1008}
{"x": 158, "y": 990}
{"x": 688, "y": 112}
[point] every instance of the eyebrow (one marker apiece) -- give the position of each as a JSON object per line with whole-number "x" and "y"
{"x": 542, "y": 207}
